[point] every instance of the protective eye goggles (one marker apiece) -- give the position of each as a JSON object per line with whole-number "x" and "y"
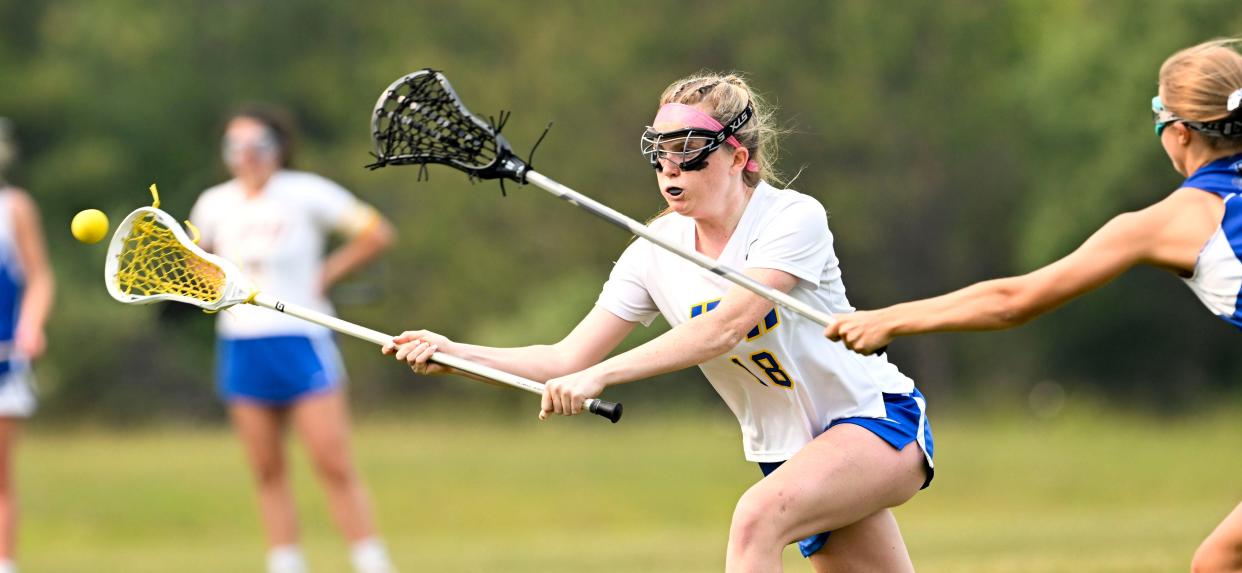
{"x": 232, "y": 149}
{"x": 1229, "y": 127}
{"x": 1162, "y": 117}
{"x": 688, "y": 149}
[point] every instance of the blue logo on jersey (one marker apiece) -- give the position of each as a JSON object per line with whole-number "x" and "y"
{"x": 770, "y": 320}
{"x": 703, "y": 307}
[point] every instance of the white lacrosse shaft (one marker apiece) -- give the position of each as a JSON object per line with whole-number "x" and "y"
{"x": 604, "y": 408}
{"x": 615, "y": 217}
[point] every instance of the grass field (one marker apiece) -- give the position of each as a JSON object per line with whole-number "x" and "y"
{"x": 1085, "y": 493}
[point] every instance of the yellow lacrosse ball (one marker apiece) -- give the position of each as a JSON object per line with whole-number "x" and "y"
{"x": 89, "y": 226}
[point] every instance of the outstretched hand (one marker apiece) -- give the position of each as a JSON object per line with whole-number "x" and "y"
{"x": 864, "y": 332}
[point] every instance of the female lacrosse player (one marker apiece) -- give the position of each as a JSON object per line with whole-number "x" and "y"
{"x": 841, "y": 437}
{"x": 274, "y": 370}
{"x": 1195, "y": 232}
{"x": 25, "y": 300}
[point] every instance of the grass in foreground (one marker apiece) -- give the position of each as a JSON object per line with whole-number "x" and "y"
{"x": 1085, "y": 493}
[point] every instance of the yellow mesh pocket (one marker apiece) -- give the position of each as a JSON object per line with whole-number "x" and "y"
{"x": 153, "y": 262}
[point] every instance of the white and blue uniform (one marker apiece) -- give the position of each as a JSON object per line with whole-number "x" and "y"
{"x": 1217, "y": 278}
{"x": 785, "y": 382}
{"x": 278, "y": 238}
{"x": 16, "y": 397}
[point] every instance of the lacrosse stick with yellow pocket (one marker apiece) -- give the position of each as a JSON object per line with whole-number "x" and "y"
{"x": 151, "y": 259}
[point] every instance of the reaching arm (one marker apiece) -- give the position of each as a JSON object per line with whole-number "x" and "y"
{"x": 701, "y": 338}
{"x": 29, "y": 339}
{"x": 589, "y": 342}
{"x": 1125, "y": 241}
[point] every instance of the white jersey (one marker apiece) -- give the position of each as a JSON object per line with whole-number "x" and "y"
{"x": 277, "y": 238}
{"x": 785, "y": 382}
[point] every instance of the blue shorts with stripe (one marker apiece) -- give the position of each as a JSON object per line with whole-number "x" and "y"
{"x": 905, "y": 421}
{"x": 276, "y": 370}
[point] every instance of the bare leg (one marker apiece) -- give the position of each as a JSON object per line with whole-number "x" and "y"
{"x": 1221, "y": 552}
{"x": 871, "y": 545}
{"x": 261, "y": 429}
{"x": 843, "y": 476}
{"x": 323, "y": 423}
{"x": 9, "y": 429}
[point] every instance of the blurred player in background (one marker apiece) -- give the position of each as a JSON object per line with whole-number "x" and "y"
{"x": 275, "y": 371}
{"x": 1195, "y": 233}
{"x": 26, "y": 290}
{"x": 840, "y": 437}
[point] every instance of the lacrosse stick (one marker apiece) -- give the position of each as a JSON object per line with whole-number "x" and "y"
{"x": 420, "y": 120}
{"x": 152, "y": 259}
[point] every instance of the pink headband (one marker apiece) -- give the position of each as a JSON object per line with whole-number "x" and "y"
{"x": 689, "y": 116}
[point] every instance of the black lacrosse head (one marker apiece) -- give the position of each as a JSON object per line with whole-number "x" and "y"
{"x": 419, "y": 120}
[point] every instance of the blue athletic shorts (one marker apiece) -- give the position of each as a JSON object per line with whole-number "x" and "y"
{"x": 905, "y": 421}
{"x": 276, "y": 370}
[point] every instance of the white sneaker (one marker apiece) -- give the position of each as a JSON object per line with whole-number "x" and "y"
{"x": 286, "y": 559}
{"x": 370, "y": 556}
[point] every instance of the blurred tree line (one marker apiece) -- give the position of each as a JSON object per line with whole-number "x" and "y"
{"x": 951, "y": 141}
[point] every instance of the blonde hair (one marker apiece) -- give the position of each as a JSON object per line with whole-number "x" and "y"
{"x": 1195, "y": 83}
{"x": 727, "y": 95}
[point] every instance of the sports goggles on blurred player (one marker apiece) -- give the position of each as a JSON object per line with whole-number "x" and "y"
{"x": 688, "y": 148}
{"x": 1228, "y": 127}
{"x": 233, "y": 149}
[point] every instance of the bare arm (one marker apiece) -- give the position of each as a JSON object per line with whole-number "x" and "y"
{"x": 359, "y": 250}
{"x": 1141, "y": 237}
{"x": 588, "y": 343}
{"x": 701, "y": 338}
{"x": 36, "y": 304}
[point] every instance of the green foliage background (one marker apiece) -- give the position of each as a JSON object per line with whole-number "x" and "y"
{"x": 951, "y": 142}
